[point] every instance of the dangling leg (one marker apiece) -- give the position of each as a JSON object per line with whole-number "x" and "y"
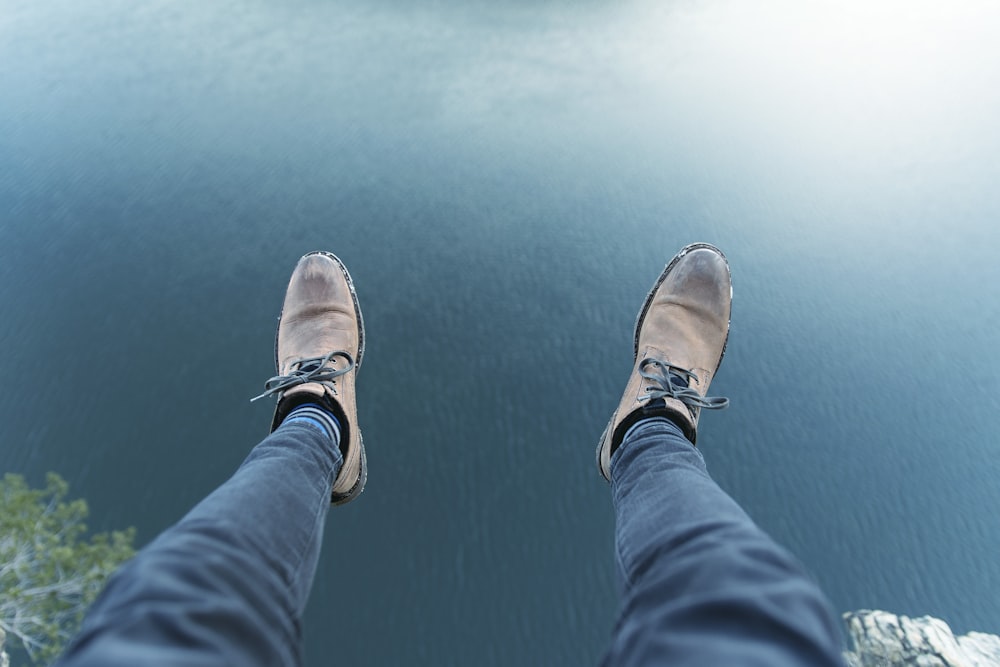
{"x": 702, "y": 584}
{"x": 228, "y": 584}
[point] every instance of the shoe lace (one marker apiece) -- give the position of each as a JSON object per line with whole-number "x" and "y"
{"x": 314, "y": 369}
{"x": 665, "y": 388}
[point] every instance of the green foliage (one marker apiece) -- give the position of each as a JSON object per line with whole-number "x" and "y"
{"x": 49, "y": 571}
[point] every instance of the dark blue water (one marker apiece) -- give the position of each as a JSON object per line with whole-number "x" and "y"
{"x": 505, "y": 181}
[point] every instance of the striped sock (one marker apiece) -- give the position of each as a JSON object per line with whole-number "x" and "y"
{"x": 314, "y": 414}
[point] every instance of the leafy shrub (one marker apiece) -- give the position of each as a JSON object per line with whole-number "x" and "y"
{"x": 49, "y": 572}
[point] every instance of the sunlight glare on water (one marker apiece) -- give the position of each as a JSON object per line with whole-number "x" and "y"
{"x": 868, "y": 67}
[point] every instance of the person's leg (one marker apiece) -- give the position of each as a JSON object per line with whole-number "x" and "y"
{"x": 228, "y": 584}
{"x": 702, "y": 584}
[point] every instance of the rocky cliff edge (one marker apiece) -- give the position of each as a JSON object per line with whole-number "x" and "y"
{"x": 881, "y": 639}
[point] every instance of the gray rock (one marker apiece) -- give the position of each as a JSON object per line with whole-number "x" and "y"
{"x": 4, "y": 660}
{"x": 881, "y": 639}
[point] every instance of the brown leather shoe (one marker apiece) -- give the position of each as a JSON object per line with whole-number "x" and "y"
{"x": 317, "y": 351}
{"x": 680, "y": 339}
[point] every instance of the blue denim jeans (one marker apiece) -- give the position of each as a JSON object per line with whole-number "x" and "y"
{"x": 227, "y": 585}
{"x": 701, "y": 583}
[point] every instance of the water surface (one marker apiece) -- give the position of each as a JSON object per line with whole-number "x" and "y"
{"x": 505, "y": 181}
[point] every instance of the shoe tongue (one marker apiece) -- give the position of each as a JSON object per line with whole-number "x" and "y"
{"x": 656, "y": 404}
{"x": 307, "y": 366}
